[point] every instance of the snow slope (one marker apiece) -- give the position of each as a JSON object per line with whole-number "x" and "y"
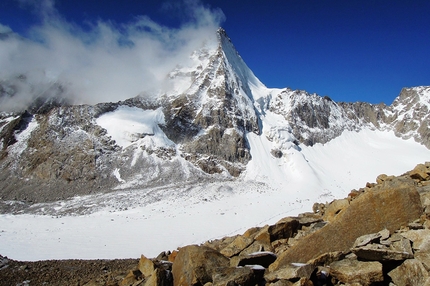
{"x": 129, "y": 223}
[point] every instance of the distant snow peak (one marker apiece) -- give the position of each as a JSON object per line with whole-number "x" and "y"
{"x": 214, "y": 119}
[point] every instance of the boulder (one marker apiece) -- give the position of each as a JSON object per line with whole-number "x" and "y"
{"x": 366, "y": 239}
{"x": 423, "y": 254}
{"x": 351, "y": 271}
{"x": 420, "y": 172}
{"x": 368, "y": 213}
{"x": 197, "y": 265}
{"x": 411, "y": 272}
{"x": 160, "y": 277}
{"x": 334, "y": 208}
{"x": 246, "y": 276}
{"x": 155, "y": 273}
{"x": 418, "y": 237}
{"x": 326, "y": 258}
{"x": 236, "y": 246}
{"x": 132, "y": 278}
{"x": 284, "y": 228}
{"x": 377, "y": 253}
{"x": 292, "y": 271}
{"x": 146, "y": 266}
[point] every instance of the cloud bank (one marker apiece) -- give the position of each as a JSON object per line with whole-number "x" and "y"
{"x": 101, "y": 62}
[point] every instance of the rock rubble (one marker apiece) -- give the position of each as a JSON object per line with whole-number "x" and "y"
{"x": 379, "y": 235}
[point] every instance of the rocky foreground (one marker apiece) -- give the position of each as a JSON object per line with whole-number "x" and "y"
{"x": 378, "y": 235}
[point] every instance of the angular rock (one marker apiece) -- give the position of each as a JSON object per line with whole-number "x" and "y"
{"x": 146, "y": 266}
{"x": 237, "y": 245}
{"x": 368, "y": 213}
{"x": 420, "y": 172}
{"x": 308, "y": 219}
{"x": 385, "y": 234}
{"x": 284, "y": 228}
{"x": 382, "y": 178}
{"x": 238, "y": 276}
{"x": 196, "y": 265}
{"x": 411, "y": 272}
{"x": 354, "y": 271}
{"x": 335, "y": 208}
{"x": 423, "y": 254}
{"x": 326, "y": 258}
{"x": 263, "y": 235}
{"x": 402, "y": 245}
{"x": 132, "y": 278}
{"x": 160, "y": 277}
{"x": 418, "y": 237}
{"x": 291, "y": 271}
{"x": 366, "y": 239}
{"x": 380, "y": 254}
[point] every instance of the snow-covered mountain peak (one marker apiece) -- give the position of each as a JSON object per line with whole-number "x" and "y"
{"x": 408, "y": 97}
{"x": 215, "y": 119}
{"x": 250, "y": 84}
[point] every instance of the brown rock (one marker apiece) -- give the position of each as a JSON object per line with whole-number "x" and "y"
{"x": 372, "y": 253}
{"x": 420, "y": 172}
{"x": 411, "y": 272}
{"x": 354, "y": 271}
{"x": 196, "y": 265}
{"x": 238, "y": 276}
{"x": 368, "y": 213}
{"x": 291, "y": 271}
{"x": 326, "y": 258}
{"x": 281, "y": 283}
{"x": 418, "y": 237}
{"x": 132, "y": 278}
{"x": 252, "y": 232}
{"x": 146, "y": 266}
{"x": 381, "y": 178}
{"x": 334, "y": 208}
{"x": 303, "y": 282}
{"x": 263, "y": 235}
{"x": 237, "y": 245}
{"x": 423, "y": 255}
{"x": 160, "y": 277}
{"x": 172, "y": 255}
{"x": 366, "y": 239}
{"x": 284, "y": 228}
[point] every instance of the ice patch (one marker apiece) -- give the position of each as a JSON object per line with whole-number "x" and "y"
{"x": 134, "y": 126}
{"x": 118, "y": 175}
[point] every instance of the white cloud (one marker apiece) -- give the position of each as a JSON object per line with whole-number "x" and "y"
{"x": 104, "y": 61}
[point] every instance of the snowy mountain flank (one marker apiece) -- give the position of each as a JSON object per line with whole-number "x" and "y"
{"x": 201, "y": 129}
{"x": 216, "y": 135}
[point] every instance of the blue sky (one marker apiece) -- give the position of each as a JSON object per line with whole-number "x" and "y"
{"x": 349, "y": 50}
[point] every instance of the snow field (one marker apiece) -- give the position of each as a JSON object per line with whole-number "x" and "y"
{"x": 127, "y": 224}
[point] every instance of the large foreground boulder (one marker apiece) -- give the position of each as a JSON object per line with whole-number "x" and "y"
{"x": 370, "y": 212}
{"x": 196, "y": 265}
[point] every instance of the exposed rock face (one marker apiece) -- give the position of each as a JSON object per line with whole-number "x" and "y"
{"x": 370, "y": 212}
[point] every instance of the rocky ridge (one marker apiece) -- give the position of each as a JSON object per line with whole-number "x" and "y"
{"x": 378, "y": 235}
{"x": 55, "y": 150}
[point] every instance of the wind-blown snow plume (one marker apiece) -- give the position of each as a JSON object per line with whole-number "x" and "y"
{"x": 99, "y": 62}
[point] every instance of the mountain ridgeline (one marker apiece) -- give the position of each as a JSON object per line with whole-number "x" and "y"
{"x": 54, "y": 150}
